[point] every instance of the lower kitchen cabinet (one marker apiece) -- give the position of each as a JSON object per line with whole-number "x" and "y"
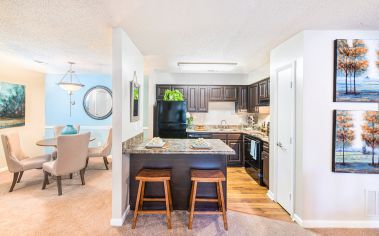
{"x": 235, "y": 160}
{"x": 266, "y": 164}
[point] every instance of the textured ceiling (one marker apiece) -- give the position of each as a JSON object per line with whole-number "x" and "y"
{"x": 168, "y": 31}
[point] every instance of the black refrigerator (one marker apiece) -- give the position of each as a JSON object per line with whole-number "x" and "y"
{"x": 171, "y": 119}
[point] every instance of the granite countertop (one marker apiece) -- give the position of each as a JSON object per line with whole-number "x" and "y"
{"x": 180, "y": 146}
{"x": 253, "y": 133}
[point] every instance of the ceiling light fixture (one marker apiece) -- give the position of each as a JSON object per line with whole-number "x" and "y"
{"x": 207, "y": 66}
{"x": 67, "y": 83}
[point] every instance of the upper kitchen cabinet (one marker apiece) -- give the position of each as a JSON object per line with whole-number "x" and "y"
{"x": 264, "y": 92}
{"x": 242, "y": 98}
{"x": 181, "y": 88}
{"x": 216, "y": 93}
{"x": 197, "y": 98}
{"x": 223, "y": 93}
{"x": 253, "y": 98}
{"x": 161, "y": 89}
{"x": 230, "y": 93}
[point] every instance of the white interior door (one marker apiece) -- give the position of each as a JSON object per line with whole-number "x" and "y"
{"x": 284, "y": 146}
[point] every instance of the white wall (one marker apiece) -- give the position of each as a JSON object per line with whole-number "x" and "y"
{"x": 200, "y": 78}
{"x": 322, "y": 198}
{"x": 329, "y": 196}
{"x": 34, "y": 129}
{"x": 258, "y": 74}
{"x": 290, "y": 51}
{"x": 126, "y": 59}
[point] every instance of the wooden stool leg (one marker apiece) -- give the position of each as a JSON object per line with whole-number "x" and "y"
{"x": 190, "y": 203}
{"x": 136, "y": 206}
{"x": 193, "y": 200}
{"x": 169, "y": 195}
{"x": 168, "y": 212}
{"x": 223, "y": 205}
{"x": 142, "y": 195}
{"x": 218, "y": 197}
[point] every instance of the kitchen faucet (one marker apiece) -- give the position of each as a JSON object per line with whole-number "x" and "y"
{"x": 223, "y": 126}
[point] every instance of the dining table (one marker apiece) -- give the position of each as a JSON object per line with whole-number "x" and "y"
{"x": 52, "y": 142}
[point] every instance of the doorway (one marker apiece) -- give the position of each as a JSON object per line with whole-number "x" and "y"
{"x": 284, "y": 136}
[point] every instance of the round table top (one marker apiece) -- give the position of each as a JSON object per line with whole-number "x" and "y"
{"x": 52, "y": 142}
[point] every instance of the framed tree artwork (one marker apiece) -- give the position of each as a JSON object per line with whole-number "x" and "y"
{"x": 356, "y": 142}
{"x": 12, "y": 105}
{"x": 356, "y": 70}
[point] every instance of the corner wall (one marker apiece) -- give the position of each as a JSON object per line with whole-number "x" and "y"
{"x": 34, "y": 107}
{"x": 126, "y": 59}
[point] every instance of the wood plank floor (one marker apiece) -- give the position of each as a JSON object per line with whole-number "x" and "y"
{"x": 246, "y": 195}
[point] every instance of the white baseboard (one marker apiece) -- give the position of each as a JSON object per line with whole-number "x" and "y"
{"x": 118, "y": 222}
{"x": 270, "y": 195}
{"x": 336, "y": 223}
{"x": 297, "y": 219}
{"x": 3, "y": 169}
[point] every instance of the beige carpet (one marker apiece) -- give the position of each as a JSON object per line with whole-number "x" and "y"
{"x": 86, "y": 210}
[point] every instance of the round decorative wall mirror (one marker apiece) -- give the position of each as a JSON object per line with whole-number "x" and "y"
{"x": 97, "y": 102}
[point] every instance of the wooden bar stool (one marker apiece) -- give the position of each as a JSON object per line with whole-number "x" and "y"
{"x": 153, "y": 175}
{"x": 207, "y": 176}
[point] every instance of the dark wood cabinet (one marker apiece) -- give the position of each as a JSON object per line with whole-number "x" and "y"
{"x": 202, "y": 99}
{"x": 230, "y": 93}
{"x": 253, "y": 99}
{"x": 181, "y": 88}
{"x": 191, "y": 98}
{"x": 242, "y": 98}
{"x": 233, "y": 140}
{"x": 264, "y": 92}
{"x": 235, "y": 159}
{"x": 216, "y": 93}
{"x": 161, "y": 89}
{"x": 262, "y": 89}
{"x": 266, "y": 164}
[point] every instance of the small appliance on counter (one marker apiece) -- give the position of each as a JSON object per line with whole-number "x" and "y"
{"x": 171, "y": 119}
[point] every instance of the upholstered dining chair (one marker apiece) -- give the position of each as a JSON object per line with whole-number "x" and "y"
{"x": 72, "y": 152}
{"x": 103, "y": 151}
{"x": 57, "y": 131}
{"x": 16, "y": 159}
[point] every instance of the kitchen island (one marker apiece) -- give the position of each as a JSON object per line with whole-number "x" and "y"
{"x": 178, "y": 156}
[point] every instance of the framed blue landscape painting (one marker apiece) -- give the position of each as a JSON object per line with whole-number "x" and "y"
{"x": 356, "y": 70}
{"x": 12, "y": 105}
{"x": 356, "y": 142}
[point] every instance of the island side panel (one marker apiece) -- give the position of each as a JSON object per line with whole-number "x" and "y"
{"x": 180, "y": 164}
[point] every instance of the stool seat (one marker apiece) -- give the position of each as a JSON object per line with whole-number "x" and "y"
{"x": 152, "y": 175}
{"x": 207, "y": 175}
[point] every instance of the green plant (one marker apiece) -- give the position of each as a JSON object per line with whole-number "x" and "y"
{"x": 173, "y": 95}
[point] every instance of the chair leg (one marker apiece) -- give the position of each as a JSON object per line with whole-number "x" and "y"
{"x": 70, "y": 175}
{"x": 190, "y": 202}
{"x": 20, "y": 176}
{"x": 223, "y": 205}
{"x": 106, "y": 162}
{"x": 82, "y": 176}
{"x": 45, "y": 179}
{"x": 15, "y": 177}
{"x": 193, "y": 200}
{"x": 59, "y": 184}
{"x": 136, "y": 206}
{"x": 218, "y": 197}
{"x": 169, "y": 195}
{"x": 142, "y": 195}
{"x": 168, "y": 212}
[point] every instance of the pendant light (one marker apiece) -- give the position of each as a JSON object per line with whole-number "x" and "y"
{"x": 70, "y": 83}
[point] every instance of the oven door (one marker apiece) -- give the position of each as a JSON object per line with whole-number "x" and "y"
{"x": 250, "y": 160}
